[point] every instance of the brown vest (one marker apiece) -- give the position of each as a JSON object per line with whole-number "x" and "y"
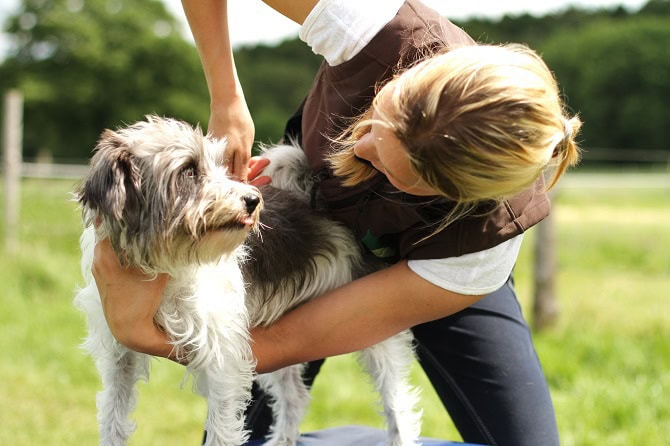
{"x": 392, "y": 224}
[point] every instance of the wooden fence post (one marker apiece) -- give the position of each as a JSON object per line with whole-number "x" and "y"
{"x": 545, "y": 305}
{"x": 13, "y": 140}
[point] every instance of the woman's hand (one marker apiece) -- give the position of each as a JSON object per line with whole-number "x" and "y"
{"x": 233, "y": 122}
{"x": 256, "y": 166}
{"x": 230, "y": 117}
{"x": 130, "y": 300}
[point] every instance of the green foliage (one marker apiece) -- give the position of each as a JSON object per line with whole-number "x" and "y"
{"x": 656, "y": 8}
{"x": 617, "y": 75}
{"x": 607, "y": 361}
{"x": 275, "y": 80}
{"x": 86, "y": 66}
{"x": 533, "y": 30}
{"x": 612, "y": 65}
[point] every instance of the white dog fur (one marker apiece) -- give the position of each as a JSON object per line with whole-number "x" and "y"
{"x": 158, "y": 190}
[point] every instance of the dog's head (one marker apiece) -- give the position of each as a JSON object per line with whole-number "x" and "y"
{"x": 159, "y": 190}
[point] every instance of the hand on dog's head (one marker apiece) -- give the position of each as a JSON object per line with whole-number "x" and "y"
{"x": 162, "y": 195}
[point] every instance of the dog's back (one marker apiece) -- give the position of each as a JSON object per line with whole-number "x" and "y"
{"x": 298, "y": 254}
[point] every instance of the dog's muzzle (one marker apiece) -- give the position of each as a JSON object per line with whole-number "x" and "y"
{"x": 251, "y": 202}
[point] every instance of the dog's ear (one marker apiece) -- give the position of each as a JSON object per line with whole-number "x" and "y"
{"x": 113, "y": 188}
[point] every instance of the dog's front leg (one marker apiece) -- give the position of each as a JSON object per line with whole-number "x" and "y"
{"x": 120, "y": 373}
{"x": 227, "y": 390}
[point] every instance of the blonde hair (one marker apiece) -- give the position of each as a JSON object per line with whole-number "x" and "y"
{"x": 479, "y": 123}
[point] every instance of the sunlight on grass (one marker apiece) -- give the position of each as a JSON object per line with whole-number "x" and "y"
{"x": 607, "y": 360}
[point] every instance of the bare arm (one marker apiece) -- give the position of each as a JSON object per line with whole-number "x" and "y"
{"x": 353, "y": 317}
{"x": 296, "y": 10}
{"x": 229, "y": 114}
{"x": 350, "y": 318}
{"x": 130, "y": 301}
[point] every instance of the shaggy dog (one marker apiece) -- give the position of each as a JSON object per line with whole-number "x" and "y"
{"x": 159, "y": 191}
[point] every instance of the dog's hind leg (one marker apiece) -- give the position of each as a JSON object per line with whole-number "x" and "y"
{"x": 118, "y": 398}
{"x": 227, "y": 391}
{"x": 388, "y": 364}
{"x": 290, "y": 399}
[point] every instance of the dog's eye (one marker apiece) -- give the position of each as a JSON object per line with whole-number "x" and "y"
{"x": 189, "y": 172}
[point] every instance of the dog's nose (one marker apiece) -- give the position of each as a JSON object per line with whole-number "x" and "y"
{"x": 251, "y": 202}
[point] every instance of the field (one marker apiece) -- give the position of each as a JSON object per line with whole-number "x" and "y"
{"x": 607, "y": 360}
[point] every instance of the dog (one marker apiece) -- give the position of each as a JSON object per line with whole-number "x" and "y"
{"x": 158, "y": 189}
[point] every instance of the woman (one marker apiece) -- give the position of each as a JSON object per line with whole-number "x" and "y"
{"x": 440, "y": 148}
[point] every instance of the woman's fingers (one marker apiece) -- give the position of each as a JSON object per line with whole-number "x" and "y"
{"x": 256, "y": 167}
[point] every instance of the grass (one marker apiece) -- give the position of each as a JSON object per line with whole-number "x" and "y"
{"x": 607, "y": 360}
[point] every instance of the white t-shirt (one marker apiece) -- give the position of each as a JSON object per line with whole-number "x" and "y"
{"x": 338, "y": 30}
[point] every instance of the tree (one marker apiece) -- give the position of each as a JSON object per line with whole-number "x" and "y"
{"x": 612, "y": 64}
{"x": 533, "y": 30}
{"x": 88, "y": 65}
{"x": 617, "y": 75}
{"x": 656, "y": 8}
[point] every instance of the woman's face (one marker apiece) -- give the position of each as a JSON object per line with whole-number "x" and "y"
{"x": 386, "y": 154}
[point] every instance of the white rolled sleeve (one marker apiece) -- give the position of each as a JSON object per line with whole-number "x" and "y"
{"x": 477, "y": 273}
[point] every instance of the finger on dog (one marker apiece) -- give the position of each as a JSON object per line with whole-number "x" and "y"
{"x": 261, "y": 181}
{"x": 107, "y": 266}
{"x": 256, "y": 166}
{"x": 104, "y": 258}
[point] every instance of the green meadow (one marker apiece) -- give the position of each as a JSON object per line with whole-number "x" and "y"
{"x": 607, "y": 359}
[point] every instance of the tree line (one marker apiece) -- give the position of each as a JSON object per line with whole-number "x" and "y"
{"x": 92, "y": 64}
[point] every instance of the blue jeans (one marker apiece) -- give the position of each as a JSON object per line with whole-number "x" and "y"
{"x": 482, "y": 364}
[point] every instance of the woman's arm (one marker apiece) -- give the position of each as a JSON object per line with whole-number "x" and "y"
{"x": 347, "y": 319}
{"x": 296, "y": 10}
{"x": 353, "y": 317}
{"x": 229, "y": 114}
{"x": 130, "y": 301}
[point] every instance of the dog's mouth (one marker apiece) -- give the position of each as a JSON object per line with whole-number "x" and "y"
{"x": 221, "y": 218}
{"x": 243, "y": 222}
{"x": 248, "y": 222}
